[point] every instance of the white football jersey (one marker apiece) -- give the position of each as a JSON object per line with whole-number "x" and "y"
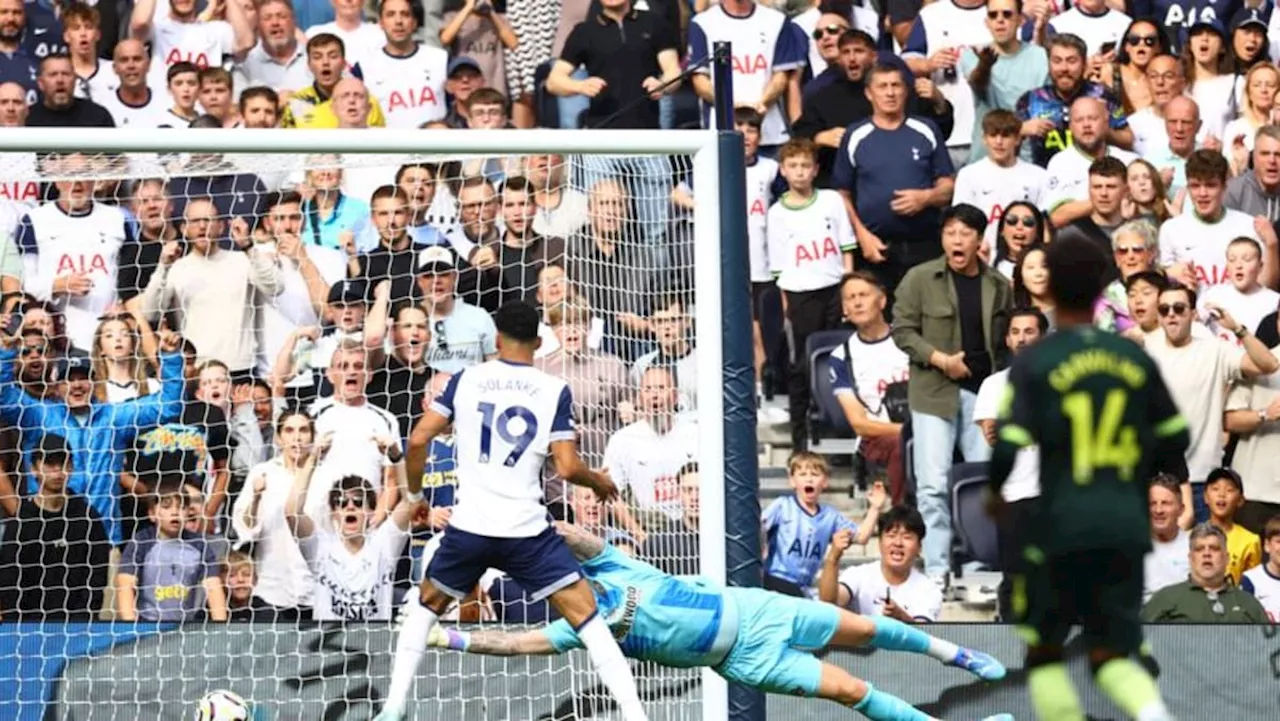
{"x": 505, "y": 417}
{"x": 760, "y": 177}
{"x": 947, "y": 25}
{"x": 410, "y": 89}
{"x": 1068, "y": 174}
{"x": 151, "y": 114}
{"x": 868, "y": 588}
{"x": 1188, "y": 238}
{"x": 1094, "y": 30}
{"x": 1247, "y": 308}
{"x": 1266, "y": 588}
{"x": 354, "y": 587}
{"x": 99, "y": 86}
{"x": 807, "y": 244}
{"x": 647, "y": 462}
{"x": 55, "y": 243}
{"x": 991, "y": 188}
{"x": 353, "y": 452}
{"x": 203, "y": 44}
{"x": 358, "y": 45}
{"x": 19, "y": 180}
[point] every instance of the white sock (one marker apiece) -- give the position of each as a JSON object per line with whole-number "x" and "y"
{"x": 1155, "y": 711}
{"x": 410, "y": 648}
{"x": 941, "y": 649}
{"x": 612, "y": 667}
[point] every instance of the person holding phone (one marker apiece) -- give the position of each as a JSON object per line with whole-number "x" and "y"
{"x": 894, "y": 587}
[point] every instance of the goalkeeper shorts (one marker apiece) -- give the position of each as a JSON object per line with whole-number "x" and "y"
{"x": 776, "y": 637}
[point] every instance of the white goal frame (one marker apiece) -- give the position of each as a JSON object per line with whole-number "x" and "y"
{"x": 700, "y": 145}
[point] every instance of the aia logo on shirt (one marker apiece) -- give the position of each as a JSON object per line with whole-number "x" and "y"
{"x": 757, "y": 207}
{"x": 83, "y": 263}
{"x": 409, "y": 98}
{"x": 815, "y": 250}
{"x": 20, "y": 191}
{"x": 200, "y": 60}
{"x": 750, "y": 64}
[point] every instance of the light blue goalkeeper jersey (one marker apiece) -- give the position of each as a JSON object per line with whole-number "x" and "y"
{"x": 682, "y": 622}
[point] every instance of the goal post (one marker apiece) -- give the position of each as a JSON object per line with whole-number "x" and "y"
{"x": 709, "y": 161}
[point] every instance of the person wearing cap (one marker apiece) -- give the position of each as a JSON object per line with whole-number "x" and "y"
{"x": 301, "y": 363}
{"x": 1208, "y": 595}
{"x": 462, "y": 335}
{"x": 94, "y": 431}
{"x": 464, "y": 78}
{"x": 54, "y": 556}
{"x": 1249, "y": 29}
{"x": 1224, "y": 494}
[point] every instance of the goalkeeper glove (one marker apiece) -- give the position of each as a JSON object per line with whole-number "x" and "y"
{"x": 448, "y": 638}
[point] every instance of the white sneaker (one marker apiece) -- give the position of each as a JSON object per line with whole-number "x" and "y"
{"x": 770, "y": 416}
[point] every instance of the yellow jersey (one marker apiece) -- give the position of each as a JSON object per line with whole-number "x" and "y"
{"x": 309, "y": 108}
{"x": 1244, "y": 551}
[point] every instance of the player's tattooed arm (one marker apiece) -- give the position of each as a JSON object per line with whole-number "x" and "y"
{"x": 582, "y": 544}
{"x": 493, "y": 643}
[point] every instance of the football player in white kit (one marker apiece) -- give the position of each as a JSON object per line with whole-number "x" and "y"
{"x": 507, "y": 417}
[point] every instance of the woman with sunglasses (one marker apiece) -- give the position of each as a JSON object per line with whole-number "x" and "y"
{"x": 1260, "y": 88}
{"x": 1127, "y": 76}
{"x": 353, "y": 562}
{"x": 1021, "y": 225}
{"x": 284, "y": 579}
{"x": 1134, "y": 250}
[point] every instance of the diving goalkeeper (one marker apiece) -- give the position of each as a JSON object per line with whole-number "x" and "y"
{"x": 749, "y": 636}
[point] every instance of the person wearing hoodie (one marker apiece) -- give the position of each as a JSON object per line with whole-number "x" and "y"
{"x": 1257, "y": 192}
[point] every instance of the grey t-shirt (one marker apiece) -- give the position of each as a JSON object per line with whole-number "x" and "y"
{"x": 170, "y": 573}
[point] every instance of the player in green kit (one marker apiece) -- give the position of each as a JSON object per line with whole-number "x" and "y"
{"x": 1102, "y": 416}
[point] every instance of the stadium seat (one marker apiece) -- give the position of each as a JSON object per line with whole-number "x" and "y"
{"x": 976, "y": 538}
{"x": 829, "y": 431}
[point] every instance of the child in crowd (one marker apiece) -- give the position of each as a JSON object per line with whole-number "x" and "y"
{"x": 1241, "y": 294}
{"x": 1263, "y": 581}
{"x": 810, "y": 243}
{"x": 798, "y": 528}
{"x": 239, "y": 576}
{"x": 168, "y": 573}
{"x": 1224, "y": 494}
{"x": 184, "y": 87}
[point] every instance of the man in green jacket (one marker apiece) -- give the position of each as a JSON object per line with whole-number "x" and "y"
{"x": 1208, "y": 596}
{"x": 944, "y": 318}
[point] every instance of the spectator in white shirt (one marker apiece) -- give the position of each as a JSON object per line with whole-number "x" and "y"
{"x": 1021, "y": 492}
{"x": 1260, "y": 88}
{"x": 134, "y": 103}
{"x": 279, "y": 60}
{"x": 1167, "y": 76}
{"x": 1000, "y": 178}
{"x": 893, "y": 587}
{"x": 562, "y": 210}
{"x": 212, "y": 289}
{"x": 284, "y": 580}
{"x": 1068, "y": 194}
{"x": 183, "y": 82}
{"x": 81, "y": 32}
{"x": 1166, "y": 563}
{"x": 1193, "y": 245}
{"x": 407, "y": 76}
{"x": 361, "y": 39}
{"x": 1181, "y": 127}
{"x": 1263, "y": 581}
{"x": 181, "y": 36}
{"x": 1243, "y": 296}
{"x": 351, "y": 551}
{"x": 1198, "y": 371}
{"x": 669, "y": 321}
{"x": 644, "y": 457}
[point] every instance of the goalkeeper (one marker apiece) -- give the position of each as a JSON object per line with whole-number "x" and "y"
{"x": 749, "y": 636}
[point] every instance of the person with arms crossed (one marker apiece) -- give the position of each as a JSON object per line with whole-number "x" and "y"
{"x": 508, "y": 417}
{"x": 1100, "y": 412}
{"x": 761, "y": 639}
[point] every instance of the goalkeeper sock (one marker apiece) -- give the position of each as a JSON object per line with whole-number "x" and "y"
{"x": 410, "y": 648}
{"x": 894, "y": 635}
{"x": 881, "y": 706}
{"x": 612, "y": 667}
{"x": 1131, "y": 688}
{"x": 1052, "y": 695}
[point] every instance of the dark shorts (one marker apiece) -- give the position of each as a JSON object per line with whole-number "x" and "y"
{"x": 758, "y": 291}
{"x": 1099, "y": 589}
{"x": 541, "y": 565}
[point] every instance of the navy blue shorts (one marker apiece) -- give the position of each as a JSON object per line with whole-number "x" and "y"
{"x": 541, "y": 565}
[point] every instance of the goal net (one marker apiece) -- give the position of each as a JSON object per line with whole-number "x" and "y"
{"x": 186, "y": 319}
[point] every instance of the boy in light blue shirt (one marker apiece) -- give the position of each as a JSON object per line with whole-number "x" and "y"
{"x": 798, "y": 528}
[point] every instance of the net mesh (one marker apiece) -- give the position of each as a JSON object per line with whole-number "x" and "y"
{"x": 261, "y": 272}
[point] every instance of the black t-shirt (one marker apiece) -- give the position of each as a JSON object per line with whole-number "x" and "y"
{"x": 183, "y": 446}
{"x": 137, "y": 262}
{"x": 972, "y": 339}
{"x": 398, "y": 266}
{"x": 399, "y": 390}
{"x": 623, "y": 55}
{"x": 82, "y": 114}
{"x": 54, "y": 564}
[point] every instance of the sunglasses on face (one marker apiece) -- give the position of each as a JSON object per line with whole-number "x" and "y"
{"x": 820, "y": 33}
{"x": 342, "y": 500}
{"x": 1025, "y": 221}
{"x": 1130, "y": 251}
{"x": 1175, "y": 309}
{"x": 1136, "y": 40}
{"x": 34, "y": 349}
{"x": 1000, "y": 14}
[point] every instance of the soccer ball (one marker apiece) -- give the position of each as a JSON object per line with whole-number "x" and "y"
{"x": 222, "y": 705}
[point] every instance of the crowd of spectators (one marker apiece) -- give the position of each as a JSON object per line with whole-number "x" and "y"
{"x": 210, "y": 367}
